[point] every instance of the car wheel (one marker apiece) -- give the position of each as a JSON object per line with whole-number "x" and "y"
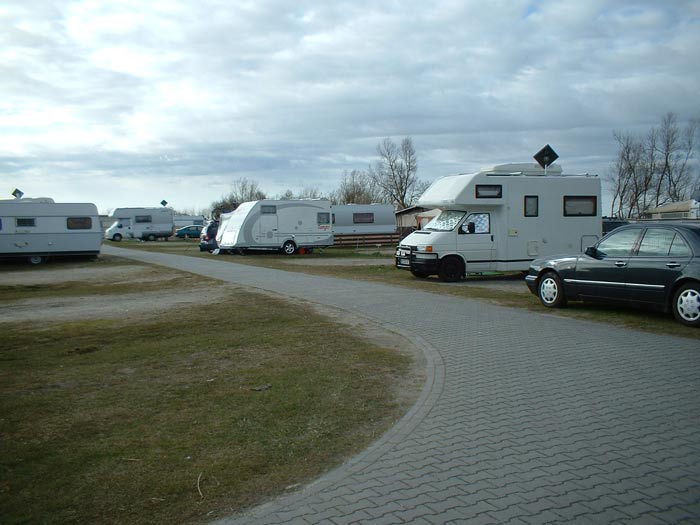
{"x": 419, "y": 274}
{"x": 451, "y": 269}
{"x": 36, "y": 259}
{"x": 551, "y": 291}
{"x": 289, "y": 248}
{"x": 686, "y": 304}
{"x": 117, "y": 237}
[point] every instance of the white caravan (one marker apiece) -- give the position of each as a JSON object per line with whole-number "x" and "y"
{"x": 289, "y": 225}
{"x": 147, "y": 224}
{"x": 363, "y": 218}
{"x": 37, "y": 229}
{"x": 500, "y": 219}
{"x": 181, "y": 221}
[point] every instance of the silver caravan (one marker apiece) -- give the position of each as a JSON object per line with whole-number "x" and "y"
{"x": 37, "y": 229}
{"x": 500, "y": 219}
{"x": 363, "y": 218}
{"x": 147, "y": 224}
{"x": 287, "y": 225}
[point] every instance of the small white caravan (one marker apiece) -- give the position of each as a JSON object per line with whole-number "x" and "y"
{"x": 186, "y": 220}
{"x": 363, "y": 218}
{"x": 500, "y": 219}
{"x": 39, "y": 228}
{"x": 147, "y": 224}
{"x": 289, "y": 225}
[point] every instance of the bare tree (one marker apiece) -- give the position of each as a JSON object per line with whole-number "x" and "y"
{"x": 242, "y": 190}
{"x": 654, "y": 171}
{"x": 676, "y": 147}
{"x": 395, "y": 172}
{"x": 357, "y": 187}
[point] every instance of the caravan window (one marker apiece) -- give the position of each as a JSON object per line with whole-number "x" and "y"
{"x": 532, "y": 206}
{"x": 489, "y": 191}
{"x": 580, "y": 206}
{"x": 268, "y": 210}
{"x": 24, "y": 222}
{"x": 140, "y": 219}
{"x": 363, "y": 218}
{"x": 79, "y": 223}
{"x": 323, "y": 218}
{"x": 445, "y": 222}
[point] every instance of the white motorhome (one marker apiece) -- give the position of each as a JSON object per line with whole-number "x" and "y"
{"x": 39, "y": 228}
{"x": 147, "y": 224}
{"x": 363, "y": 218}
{"x": 289, "y": 225}
{"x": 500, "y": 219}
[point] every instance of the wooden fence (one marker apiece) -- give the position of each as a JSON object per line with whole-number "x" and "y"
{"x": 367, "y": 240}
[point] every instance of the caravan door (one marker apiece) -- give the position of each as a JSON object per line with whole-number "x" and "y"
{"x": 475, "y": 242}
{"x": 268, "y": 225}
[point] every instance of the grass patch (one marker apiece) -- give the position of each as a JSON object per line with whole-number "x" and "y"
{"x": 637, "y": 319}
{"x": 152, "y": 421}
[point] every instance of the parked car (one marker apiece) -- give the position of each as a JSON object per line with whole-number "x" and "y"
{"x": 207, "y": 238}
{"x": 654, "y": 264}
{"x": 193, "y": 231}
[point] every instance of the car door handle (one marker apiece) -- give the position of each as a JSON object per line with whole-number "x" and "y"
{"x": 620, "y": 264}
{"x": 673, "y": 265}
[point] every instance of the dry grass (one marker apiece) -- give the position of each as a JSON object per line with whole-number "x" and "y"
{"x": 183, "y": 416}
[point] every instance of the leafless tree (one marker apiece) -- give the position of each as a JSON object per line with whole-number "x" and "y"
{"x": 395, "y": 173}
{"x": 242, "y": 190}
{"x": 357, "y": 187}
{"x": 654, "y": 171}
{"x": 676, "y": 148}
{"x": 308, "y": 192}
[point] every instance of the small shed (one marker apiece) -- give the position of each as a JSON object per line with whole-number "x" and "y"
{"x": 415, "y": 217}
{"x": 689, "y": 209}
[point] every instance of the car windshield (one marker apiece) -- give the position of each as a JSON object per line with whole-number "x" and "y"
{"x": 446, "y": 221}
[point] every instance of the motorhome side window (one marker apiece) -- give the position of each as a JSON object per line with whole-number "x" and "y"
{"x": 25, "y": 222}
{"x": 532, "y": 206}
{"x": 580, "y": 206}
{"x": 79, "y": 223}
{"x": 268, "y": 210}
{"x": 140, "y": 219}
{"x": 476, "y": 223}
{"x": 323, "y": 218}
{"x": 489, "y": 191}
{"x": 363, "y": 218}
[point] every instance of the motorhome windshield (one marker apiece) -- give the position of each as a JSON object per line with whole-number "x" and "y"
{"x": 445, "y": 222}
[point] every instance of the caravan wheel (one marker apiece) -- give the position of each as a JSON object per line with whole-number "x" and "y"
{"x": 36, "y": 259}
{"x": 289, "y": 248}
{"x": 117, "y": 237}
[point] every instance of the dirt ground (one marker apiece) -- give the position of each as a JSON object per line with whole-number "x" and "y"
{"x": 93, "y": 306}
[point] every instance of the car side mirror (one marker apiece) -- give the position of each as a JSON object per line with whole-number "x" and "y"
{"x": 592, "y": 251}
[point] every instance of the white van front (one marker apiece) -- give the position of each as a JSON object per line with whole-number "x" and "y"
{"x": 447, "y": 244}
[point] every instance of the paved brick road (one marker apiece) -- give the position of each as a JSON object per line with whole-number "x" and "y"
{"x": 525, "y": 417}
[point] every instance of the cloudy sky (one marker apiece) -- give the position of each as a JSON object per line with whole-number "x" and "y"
{"x": 128, "y": 102}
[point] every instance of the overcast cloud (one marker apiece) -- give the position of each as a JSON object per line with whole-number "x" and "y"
{"x": 125, "y": 103}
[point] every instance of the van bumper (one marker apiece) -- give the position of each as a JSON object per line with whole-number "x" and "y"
{"x": 420, "y": 262}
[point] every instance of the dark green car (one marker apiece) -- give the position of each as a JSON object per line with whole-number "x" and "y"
{"x": 654, "y": 264}
{"x": 191, "y": 232}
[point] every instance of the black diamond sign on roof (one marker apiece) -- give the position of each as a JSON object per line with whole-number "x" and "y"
{"x": 163, "y": 202}
{"x": 546, "y": 156}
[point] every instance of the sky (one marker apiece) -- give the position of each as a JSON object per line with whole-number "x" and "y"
{"x": 128, "y": 103}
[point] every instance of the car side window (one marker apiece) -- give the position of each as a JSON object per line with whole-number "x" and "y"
{"x": 679, "y": 248}
{"x": 656, "y": 242}
{"x": 619, "y": 244}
